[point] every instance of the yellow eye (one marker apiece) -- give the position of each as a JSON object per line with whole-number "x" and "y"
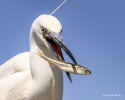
{"x": 43, "y": 30}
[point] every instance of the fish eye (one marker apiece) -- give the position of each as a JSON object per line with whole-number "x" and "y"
{"x": 85, "y": 70}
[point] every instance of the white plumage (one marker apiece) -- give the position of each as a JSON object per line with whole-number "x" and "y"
{"x": 29, "y": 77}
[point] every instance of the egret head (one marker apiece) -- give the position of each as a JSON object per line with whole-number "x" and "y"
{"x": 47, "y": 29}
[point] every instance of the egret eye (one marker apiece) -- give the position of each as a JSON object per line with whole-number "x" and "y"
{"x": 43, "y": 30}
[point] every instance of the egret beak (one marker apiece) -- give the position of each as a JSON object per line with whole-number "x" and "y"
{"x": 58, "y": 40}
{"x": 56, "y": 43}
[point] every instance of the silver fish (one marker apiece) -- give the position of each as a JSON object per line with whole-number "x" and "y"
{"x": 65, "y": 66}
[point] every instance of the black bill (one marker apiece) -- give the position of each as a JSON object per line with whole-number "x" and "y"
{"x": 56, "y": 43}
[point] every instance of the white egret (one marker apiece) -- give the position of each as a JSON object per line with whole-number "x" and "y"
{"x": 27, "y": 76}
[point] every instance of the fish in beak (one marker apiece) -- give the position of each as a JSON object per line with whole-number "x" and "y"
{"x": 56, "y": 44}
{"x": 66, "y": 66}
